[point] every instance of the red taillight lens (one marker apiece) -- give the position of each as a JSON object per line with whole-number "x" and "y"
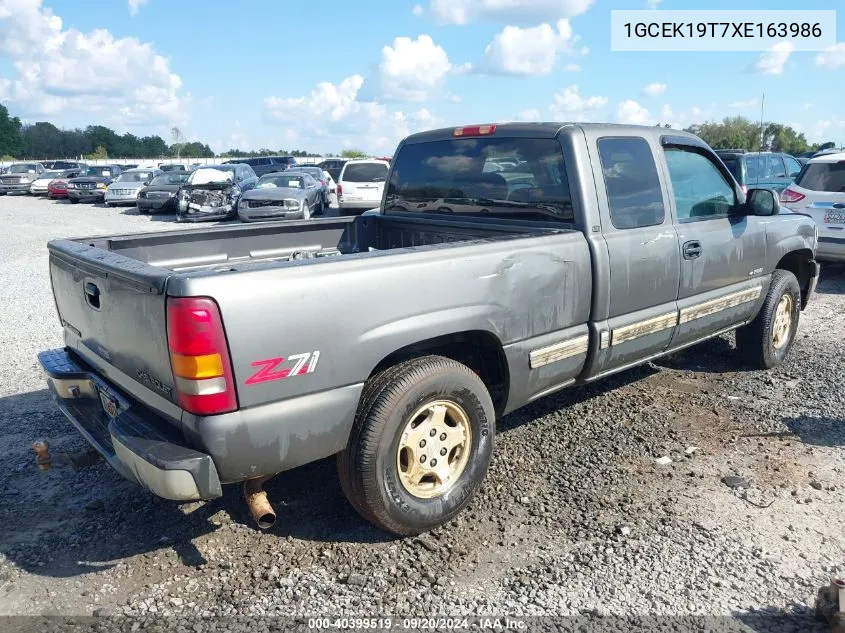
{"x": 474, "y": 130}
{"x": 745, "y": 189}
{"x": 339, "y": 189}
{"x": 790, "y": 195}
{"x": 199, "y": 356}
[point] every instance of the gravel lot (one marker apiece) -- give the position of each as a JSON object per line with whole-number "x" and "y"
{"x": 575, "y": 519}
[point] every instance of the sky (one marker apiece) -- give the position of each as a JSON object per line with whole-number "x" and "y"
{"x": 328, "y": 75}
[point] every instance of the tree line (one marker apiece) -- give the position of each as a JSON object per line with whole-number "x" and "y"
{"x": 741, "y": 133}
{"x": 44, "y": 140}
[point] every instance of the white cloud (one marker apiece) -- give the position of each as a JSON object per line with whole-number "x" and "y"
{"x": 417, "y": 10}
{"x": 514, "y": 11}
{"x": 87, "y": 74}
{"x": 773, "y": 61}
{"x": 532, "y": 114}
{"x": 681, "y": 120}
{"x": 743, "y": 105}
{"x": 654, "y": 89}
{"x": 135, "y": 6}
{"x": 529, "y": 51}
{"x": 572, "y": 68}
{"x": 570, "y": 105}
{"x": 334, "y": 114}
{"x": 412, "y": 70}
{"x": 629, "y": 111}
{"x": 832, "y": 57}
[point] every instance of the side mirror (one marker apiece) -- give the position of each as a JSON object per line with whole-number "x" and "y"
{"x": 762, "y": 202}
{"x": 794, "y": 174}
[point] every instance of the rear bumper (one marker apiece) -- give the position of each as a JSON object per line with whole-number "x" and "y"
{"x": 358, "y": 205}
{"x": 831, "y": 249}
{"x": 136, "y": 442}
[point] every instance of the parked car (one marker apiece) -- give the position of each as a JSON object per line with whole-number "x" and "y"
{"x": 361, "y": 185}
{"x": 212, "y": 193}
{"x": 288, "y": 195}
{"x": 129, "y": 166}
{"x": 321, "y": 176}
{"x": 92, "y": 182}
{"x": 266, "y": 164}
{"x": 64, "y": 164}
{"x": 819, "y": 191}
{"x": 39, "y": 186}
{"x": 333, "y": 166}
{"x": 57, "y": 188}
{"x": 160, "y": 194}
{"x": 631, "y": 243}
{"x": 20, "y": 176}
{"x": 125, "y": 188}
{"x": 175, "y": 167}
{"x": 766, "y": 170}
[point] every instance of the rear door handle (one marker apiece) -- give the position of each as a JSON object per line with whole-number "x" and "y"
{"x": 692, "y": 250}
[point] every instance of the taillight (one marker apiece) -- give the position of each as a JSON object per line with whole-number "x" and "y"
{"x": 199, "y": 356}
{"x": 790, "y": 195}
{"x": 745, "y": 189}
{"x": 339, "y": 190}
{"x": 474, "y": 130}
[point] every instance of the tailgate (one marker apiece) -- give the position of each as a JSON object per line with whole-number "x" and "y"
{"x": 113, "y": 312}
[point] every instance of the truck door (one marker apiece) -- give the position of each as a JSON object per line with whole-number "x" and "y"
{"x": 643, "y": 256}
{"x": 723, "y": 250}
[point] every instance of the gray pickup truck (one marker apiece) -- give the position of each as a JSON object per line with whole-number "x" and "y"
{"x": 506, "y": 262}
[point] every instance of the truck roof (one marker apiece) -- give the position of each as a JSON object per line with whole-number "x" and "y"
{"x": 552, "y": 129}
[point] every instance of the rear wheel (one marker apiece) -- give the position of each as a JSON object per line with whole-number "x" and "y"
{"x": 420, "y": 446}
{"x": 765, "y": 342}
{"x": 74, "y": 201}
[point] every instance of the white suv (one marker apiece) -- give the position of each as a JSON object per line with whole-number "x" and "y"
{"x": 361, "y": 185}
{"x": 819, "y": 191}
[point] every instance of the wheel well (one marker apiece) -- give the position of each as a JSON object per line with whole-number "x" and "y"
{"x": 480, "y": 351}
{"x": 798, "y": 263}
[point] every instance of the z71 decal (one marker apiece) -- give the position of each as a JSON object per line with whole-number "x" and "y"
{"x": 281, "y": 368}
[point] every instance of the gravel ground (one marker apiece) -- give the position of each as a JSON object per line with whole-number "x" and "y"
{"x": 576, "y": 517}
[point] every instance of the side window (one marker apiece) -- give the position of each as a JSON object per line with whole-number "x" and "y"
{"x": 265, "y": 161}
{"x": 630, "y": 177}
{"x": 701, "y": 191}
{"x": 792, "y": 166}
{"x": 776, "y": 168}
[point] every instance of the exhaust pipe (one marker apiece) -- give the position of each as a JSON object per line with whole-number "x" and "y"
{"x": 256, "y": 500}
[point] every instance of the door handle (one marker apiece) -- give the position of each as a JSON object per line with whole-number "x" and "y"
{"x": 692, "y": 250}
{"x": 92, "y": 295}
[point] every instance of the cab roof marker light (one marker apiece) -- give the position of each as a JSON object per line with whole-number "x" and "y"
{"x": 474, "y": 130}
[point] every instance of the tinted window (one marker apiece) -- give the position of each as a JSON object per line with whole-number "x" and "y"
{"x": 365, "y": 172}
{"x": 823, "y": 177}
{"x": 449, "y": 177}
{"x": 753, "y": 170}
{"x": 170, "y": 178}
{"x": 630, "y": 178}
{"x": 734, "y": 166}
{"x": 776, "y": 168}
{"x": 700, "y": 189}
{"x": 264, "y": 161}
{"x": 792, "y": 166}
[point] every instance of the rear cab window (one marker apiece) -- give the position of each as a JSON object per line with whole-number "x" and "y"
{"x": 365, "y": 172}
{"x": 634, "y": 196}
{"x": 514, "y": 178}
{"x": 826, "y": 176}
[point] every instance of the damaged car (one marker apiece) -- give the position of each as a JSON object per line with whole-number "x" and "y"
{"x": 160, "y": 194}
{"x": 282, "y": 196}
{"x": 212, "y": 193}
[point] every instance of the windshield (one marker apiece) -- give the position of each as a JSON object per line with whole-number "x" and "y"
{"x": 22, "y": 169}
{"x": 96, "y": 172}
{"x": 134, "y": 176}
{"x": 365, "y": 172}
{"x": 170, "y": 179}
{"x": 823, "y": 177}
{"x": 218, "y": 173}
{"x": 453, "y": 176}
{"x": 278, "y": 180}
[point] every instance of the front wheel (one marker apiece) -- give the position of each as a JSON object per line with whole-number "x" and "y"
{"x": 765, "y": 342}
{"x": 420, "y": 446}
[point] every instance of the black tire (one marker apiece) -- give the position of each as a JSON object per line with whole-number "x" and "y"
{"x": 755, "y": 342}
{"x": 73, "y": 201}
{"x": 368, "y": 469}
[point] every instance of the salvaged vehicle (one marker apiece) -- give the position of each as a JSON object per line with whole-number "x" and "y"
{"x": 39, "y": 186}
{"x": 212, "y": 193}
{"x": 57, "y": 187}
{"x": 91, "y": 184}
{"x": 126, "y": 187}
{"x": 199, "y": 358}
{"x": 160, "y": 194}
{"x": 20, "y": 176}
{"x": 288, "y": 195}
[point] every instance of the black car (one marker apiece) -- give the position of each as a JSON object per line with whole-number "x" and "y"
{"x": 266, "y": 164}
{"x": 212, "y": 192}
{"x": 160, "y": 194}
{"x": 92, "y": 183}
{"x": 333, "y": 166}
{"x": 64, "y": 164}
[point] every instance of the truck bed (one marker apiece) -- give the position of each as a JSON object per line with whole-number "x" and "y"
{"x": 240, "y": 247}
